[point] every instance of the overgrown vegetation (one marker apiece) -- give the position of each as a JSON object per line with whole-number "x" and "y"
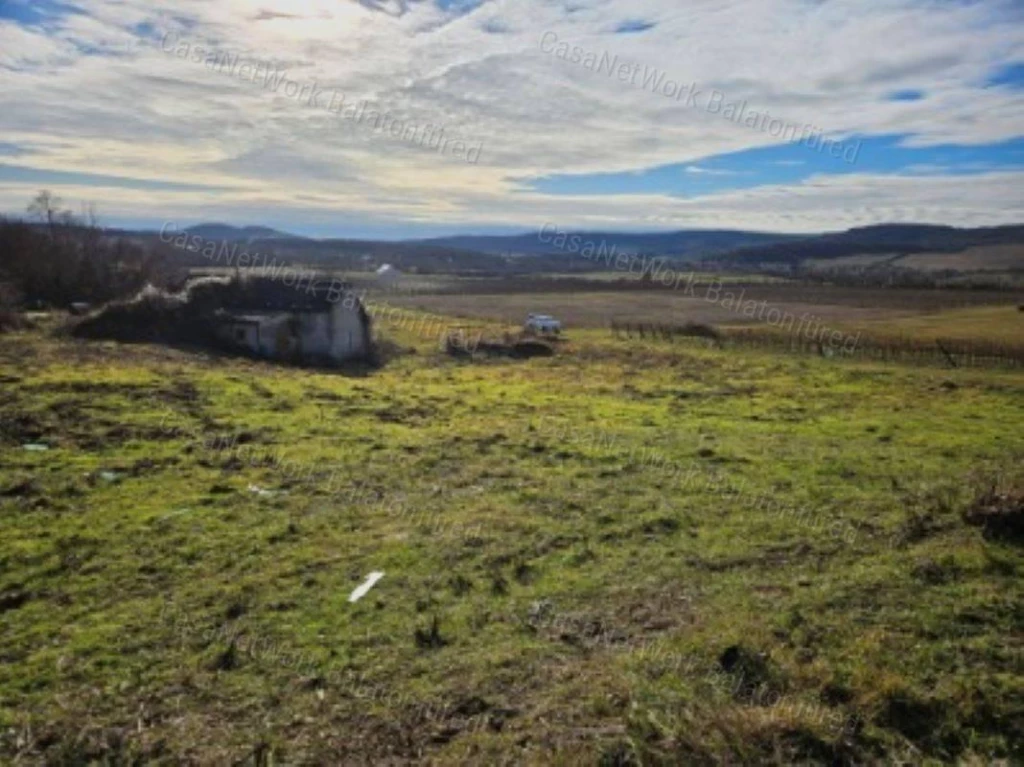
{"x": 630, "y": 552}
{"x": 62, "y": 259}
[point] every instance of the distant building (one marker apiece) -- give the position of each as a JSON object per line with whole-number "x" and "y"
{"x": 388, "y": 276}
{"x": 317, "y": 324}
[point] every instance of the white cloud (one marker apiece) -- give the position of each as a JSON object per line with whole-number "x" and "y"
{"x": 81, "y": 98}
{"x": 698, "y": 170}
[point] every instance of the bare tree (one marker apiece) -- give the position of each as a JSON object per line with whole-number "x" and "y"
{"x": 44, "y": 206}
{"x": 70, "y": 258}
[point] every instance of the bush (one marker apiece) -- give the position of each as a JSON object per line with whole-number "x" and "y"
{"x": 63, "y": 260}
{"x": 151, "y": 316}
{"x": 999, "y": 514}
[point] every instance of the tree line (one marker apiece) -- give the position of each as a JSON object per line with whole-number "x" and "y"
{"x": 52, "y": 258}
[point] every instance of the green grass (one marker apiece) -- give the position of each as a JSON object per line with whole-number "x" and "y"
{"x": 626, "y": 553}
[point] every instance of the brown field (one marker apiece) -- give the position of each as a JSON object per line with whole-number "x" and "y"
{"x": 600, "y": 309}
{"x": 986, "y": 258}
{"x": 989, "y": 258}
{"x": 998, "y": 324}
{"x": 845, "y": 306}
{"x": 851, "y": 262}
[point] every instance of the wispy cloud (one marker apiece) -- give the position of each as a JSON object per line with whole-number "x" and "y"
{"x": 87, "y": 90}
{"x": 698, "y": 170}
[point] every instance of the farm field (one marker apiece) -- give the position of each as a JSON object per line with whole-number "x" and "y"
{"x": 359, "y": 280}
{"x": 1000, "y": 324}
{"x": 835, "y": 306}
{"x": 416, "y": 284}
{"x": 632, "y": 277}
{"x": 626, "y": 553}
{"x": 990, "y": 258}
{"x": 596, "y": 310}
{"x": 996, "y": 258}
{"x": 985, "y": 335}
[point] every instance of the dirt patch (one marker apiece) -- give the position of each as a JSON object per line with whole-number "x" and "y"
{"x": 523, "y": 349}
{"x": 754, "y": 678}
{"x": 1000, "y": 515}
{"x": 12, "y": 599}
{"x": 916, "y": 718}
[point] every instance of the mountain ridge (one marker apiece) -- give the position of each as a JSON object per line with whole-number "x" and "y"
{"x": 231, "y": 233}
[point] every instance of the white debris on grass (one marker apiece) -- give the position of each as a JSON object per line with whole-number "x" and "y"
{"x": 262, "y": 492}
{"x": 363, "y": 589}
{"x": 36, "y": 447}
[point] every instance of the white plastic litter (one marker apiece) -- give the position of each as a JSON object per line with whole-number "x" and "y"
{"x": 365, "y": 587}
{"x": 261, "y": 492}
{"x": 36, "y": 447}
{"x": 177, "y": 513}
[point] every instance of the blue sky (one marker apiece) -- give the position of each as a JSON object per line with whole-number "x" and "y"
{"x": 794, "y": 163}
{"x": 578, "y": 110}
{"x": 34, "y": 12}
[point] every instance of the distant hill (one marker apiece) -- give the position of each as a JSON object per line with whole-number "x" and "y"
{"x": 537, "y": 251}
{"x": 891, "y": 239}
{"x": 239, "y": 233}
{"x": 686, "y": 244}
{"x": 348, "y": 255}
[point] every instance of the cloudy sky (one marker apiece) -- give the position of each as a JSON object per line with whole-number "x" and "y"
{"x": 397, "y": 118}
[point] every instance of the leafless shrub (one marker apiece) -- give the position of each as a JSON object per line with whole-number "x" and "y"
{"x": 63, "y": 259}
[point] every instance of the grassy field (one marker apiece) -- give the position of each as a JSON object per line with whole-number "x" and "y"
{"x": 982, "y": 326}
{"x": 627, "y": 553}
{"x": 980, "y": 336}
{"x": 1001, "y": 324}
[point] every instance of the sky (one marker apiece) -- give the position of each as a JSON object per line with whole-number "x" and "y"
{"x": 411, "y": 118}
